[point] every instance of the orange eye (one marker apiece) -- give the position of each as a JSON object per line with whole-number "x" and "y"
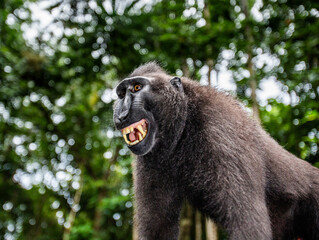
{"x": 137, "y": 87}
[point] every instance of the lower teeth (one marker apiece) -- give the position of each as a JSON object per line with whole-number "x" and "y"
{"x": 140, "y": 138}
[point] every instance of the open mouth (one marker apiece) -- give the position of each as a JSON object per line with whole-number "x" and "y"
{"x": 135, "y": 133}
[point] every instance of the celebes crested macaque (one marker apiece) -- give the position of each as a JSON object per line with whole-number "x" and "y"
{"x": 197, "y": 144}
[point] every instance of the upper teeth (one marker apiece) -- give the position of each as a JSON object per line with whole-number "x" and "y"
{"x": 140, "y": 135}
{"x": 140, "y": 128}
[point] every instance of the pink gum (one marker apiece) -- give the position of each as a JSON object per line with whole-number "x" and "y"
{"x": 134, "y": 125}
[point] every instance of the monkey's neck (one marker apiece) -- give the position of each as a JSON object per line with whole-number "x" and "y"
{"x": 183, "y": 137}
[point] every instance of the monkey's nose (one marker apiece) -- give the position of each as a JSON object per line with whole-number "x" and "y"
{"x": 123, "y": 115}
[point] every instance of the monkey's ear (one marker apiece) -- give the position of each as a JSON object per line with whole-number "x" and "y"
{"x": 177, "y": 83}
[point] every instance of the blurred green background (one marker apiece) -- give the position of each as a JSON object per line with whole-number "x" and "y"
{"x": 65, "y": 172}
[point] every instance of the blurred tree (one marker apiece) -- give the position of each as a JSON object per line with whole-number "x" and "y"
{"x": 58, "y": 145}
{"x": 292, "y": 37}
{"x": 64, "y": 171}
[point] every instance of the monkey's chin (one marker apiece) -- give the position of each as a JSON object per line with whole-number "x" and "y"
{"x": 145, "y": 146}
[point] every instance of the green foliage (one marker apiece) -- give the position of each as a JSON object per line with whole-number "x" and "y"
{"x": 57, "y": 140}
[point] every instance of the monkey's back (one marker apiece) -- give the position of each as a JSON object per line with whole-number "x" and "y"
{"x": 240, "y": 145}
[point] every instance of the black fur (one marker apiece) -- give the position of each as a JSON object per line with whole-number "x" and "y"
{"x": 209, "y": 152}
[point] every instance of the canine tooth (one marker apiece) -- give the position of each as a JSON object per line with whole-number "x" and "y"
{"x": 140, "y": 128}
{"x": 132, "y": 129}
{"x": 125, "y": 138}
{"x": 140, "y": 137}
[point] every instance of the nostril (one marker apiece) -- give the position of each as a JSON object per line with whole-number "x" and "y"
{"x": 117, "y": 121}
{"x": 122, "y": 119}
{"x": 123, "y": 116}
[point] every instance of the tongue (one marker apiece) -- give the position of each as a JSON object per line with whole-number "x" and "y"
{"x": 132, "y": 136}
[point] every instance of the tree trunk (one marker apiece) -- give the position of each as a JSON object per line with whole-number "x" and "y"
{"x": 211, "y": 230}
{"x": 250, "y": 42}
{"x": 206, "y": 14}
{"x": 217, "y": 77}
{"x": 185, "y": 70}
{"x": 253, "y": 86}
{"x": 210, "y": 64}
{"x": 209, "y": 61}
{"x": 186, "y": 222}
{"x": 198, "y": 226}
{"x": 134, "y": 231}
{"x": 73, "y": 211}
